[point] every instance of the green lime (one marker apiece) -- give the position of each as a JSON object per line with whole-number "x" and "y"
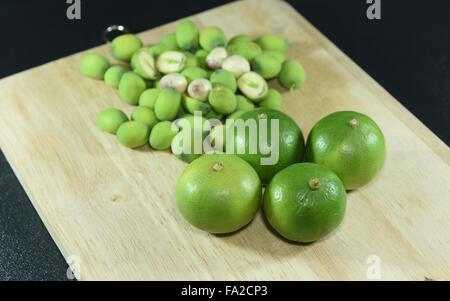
{"x": 305, "y": 201}
{"x": 286, "y": 147}
{"x": 218, "y": 193}
{"x": 349, "y": 143}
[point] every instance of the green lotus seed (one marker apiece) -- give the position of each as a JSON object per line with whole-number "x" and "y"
{"x": 292, "y": 74}
{"x": 109, "y": 120}
{"x": 167, "y": 104}
{"x": 94, "y": 65}
{"x": 249, "y": 50}
{"x": 276, "y": 54}
{"x": 124, "y": 46}
{"x": 273, "y": 100}
{"x": 253, "y": 86}
{"x": 222, "y": 99}
{"x": 170, "y": 42}
{"x": 241, "y": 38}
{"x": 225, "y": 78}
{"x": 148, "y": 98}
{"x": 212, "y": 37}
{"x": 162, "y": 135}
{"x": 187, "y": 35}
{"x": 171, "y": 62}
{"x": 267, "y": 66}
{"x": 237, "y": 65}
{"x": 199, "y": 89}
{"x": 193, "y": 105}
{"x": 133, "y": 134}
{"x": 273, "y": 42}
{"x": 244, "y": 104}
{"x": 174, "y": 80}
{"x": 192, "y": 73}
{"x": 143, "y": 63}
{"x": 216, "y": 57}
{"x": 131, "y": 86}
{"x": 144, "y": 115}
{"x": 113, "y": 75}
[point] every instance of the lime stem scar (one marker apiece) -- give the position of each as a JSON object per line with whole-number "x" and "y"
{"x": 354, "y": 123}
{"x": 314, "y": 183}
{"x": 262, "y": 116}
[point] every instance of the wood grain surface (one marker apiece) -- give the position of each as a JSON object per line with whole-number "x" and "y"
{"x": 114, "y": 208}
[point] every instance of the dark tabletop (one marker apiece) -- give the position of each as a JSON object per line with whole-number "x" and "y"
{"x": 407, "y": 52}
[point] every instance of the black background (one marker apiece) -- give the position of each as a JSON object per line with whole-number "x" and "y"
{"x": 407, "y": 52}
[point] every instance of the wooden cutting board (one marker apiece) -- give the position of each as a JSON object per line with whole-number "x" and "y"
{"x": 114, "y": 208}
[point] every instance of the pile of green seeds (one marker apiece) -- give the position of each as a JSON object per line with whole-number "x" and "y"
{"x": 187, "y": 72}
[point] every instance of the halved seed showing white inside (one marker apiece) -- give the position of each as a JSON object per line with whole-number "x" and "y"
{"x": 147, "y": 63}
{"x": 252, "y": 85}
{"x": 173, "y": 80}
{"x": 171, "y": 62}
{"x": 216, "y": 57}
{"x": 236, "y": 64}
{"x": 199, "y": 89}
